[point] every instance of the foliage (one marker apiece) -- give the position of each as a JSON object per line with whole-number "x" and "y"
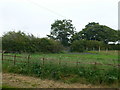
{"x": 78, "y": 46}
{"x": 96, "y": 45}
{"x": 62, "y": 36}
{"x": 114, "y": 47}
{"x": 13, "y": 41}
{"x": 49, "y": 46}
{"x": 82, "y": 45}
{"x": 68, "y": 71}
{"x": 20, "y": 42}
{"x": 95, "y": 31}
{"x": 66, "y": 74}
{"x": 62, "y": 30}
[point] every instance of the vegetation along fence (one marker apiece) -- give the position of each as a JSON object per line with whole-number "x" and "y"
{"x": 29, "y": 60}
{"x": 65, "y": 67}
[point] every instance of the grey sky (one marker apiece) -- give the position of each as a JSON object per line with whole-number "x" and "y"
{"x": 36, "y": 16}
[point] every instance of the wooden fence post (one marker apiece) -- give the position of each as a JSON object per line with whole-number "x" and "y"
{"x": 14, "y": 59}
{"x": 66, "y": 64}
{"x": 2, "y": 56}
{"x": 99, "y": 49}
{"x": 86, "y": 48}
{"x": 43, "y": 61}
{"x": 28, "y": 59}
{"x": 106, "y": 50}
{"x": 59, "y": 60}
{"x": 95, "y": 65}
{"x": 43, "y": 68}
{"x": 77, "y": 63}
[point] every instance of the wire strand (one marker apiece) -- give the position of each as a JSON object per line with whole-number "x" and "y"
{"x": 51, "y": 11}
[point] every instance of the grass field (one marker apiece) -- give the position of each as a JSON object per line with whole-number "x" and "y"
{"x": 64, "y": 67}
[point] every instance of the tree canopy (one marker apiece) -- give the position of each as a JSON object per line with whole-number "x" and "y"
{"x": 62, "y": 34}
{"x": 62, "y": 30}
{"x": 95, "y": 31}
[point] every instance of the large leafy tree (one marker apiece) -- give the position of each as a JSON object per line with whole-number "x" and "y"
{"x": 62, "y": 30}
{"x": 95, "y": 31}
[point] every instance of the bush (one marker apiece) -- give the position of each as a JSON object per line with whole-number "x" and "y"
{"x": 78, "y": 46}
{"x": 49, "y": 46}
{"x": 90, "y": 44}
{"x": 20, "y": 42}
{"x": 82, "y": 45}
{"x": 114, "y": 47}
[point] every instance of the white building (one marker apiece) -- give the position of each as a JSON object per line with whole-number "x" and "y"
{"x": 117, "y": 42}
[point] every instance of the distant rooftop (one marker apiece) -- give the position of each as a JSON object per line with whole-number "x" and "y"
{"x": 117, "y": 42}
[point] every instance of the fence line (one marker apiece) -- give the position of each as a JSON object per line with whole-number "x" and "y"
{"x": 43, "y": 61}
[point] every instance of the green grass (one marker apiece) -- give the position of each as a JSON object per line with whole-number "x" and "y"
{"x": 7, "y": 86}
{"x": 64, "y": 67}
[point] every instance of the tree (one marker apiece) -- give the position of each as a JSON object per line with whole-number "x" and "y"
{"x": 94, "y": 31}
{"x": 76, "y": 36}
{"x": 62, "y": 30}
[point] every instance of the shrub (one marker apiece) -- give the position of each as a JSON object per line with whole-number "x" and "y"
{"x": 82, "y": 45}
{"x": 78, "y": 46}
{"x": 20, "y": 42}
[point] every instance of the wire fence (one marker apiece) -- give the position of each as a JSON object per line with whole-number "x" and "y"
{"x": 29, "y": 59}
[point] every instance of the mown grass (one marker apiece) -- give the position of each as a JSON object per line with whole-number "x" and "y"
{"x": 64, "y": 67}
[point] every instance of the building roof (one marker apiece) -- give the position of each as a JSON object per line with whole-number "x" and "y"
{"x": 117, "y": 42}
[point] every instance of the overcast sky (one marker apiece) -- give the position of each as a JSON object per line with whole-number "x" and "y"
{"x": 36, "y": 16}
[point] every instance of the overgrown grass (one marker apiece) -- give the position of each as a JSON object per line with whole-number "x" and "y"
{"x": 55, "y": 67}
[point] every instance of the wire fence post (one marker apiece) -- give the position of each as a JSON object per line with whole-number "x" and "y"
{"x": 99, "y": 48}
{"x": 14, "y": 59}
{"x": 106, "y": 50}
{"x": 28, "y": 59}
{"x": 43, "y": 61}
{"x": 2, "y": 56}
{"x": 86, "y": 48}
{"x": 66, "y": 64}
{"x": 28, "y": 63}
{"x": 77, "y": 64}
{"x": 59, "y": 61}
{"x": 43, "y": 67}
{"x": 95, "y": 65}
